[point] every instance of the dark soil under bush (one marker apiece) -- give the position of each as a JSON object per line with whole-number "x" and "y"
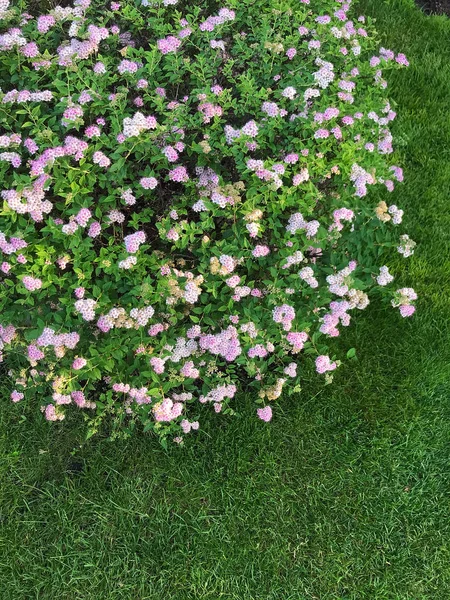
{"x": 439, "y": 7}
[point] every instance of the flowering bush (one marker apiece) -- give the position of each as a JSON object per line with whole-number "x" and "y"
{"x": 186, "y": 208}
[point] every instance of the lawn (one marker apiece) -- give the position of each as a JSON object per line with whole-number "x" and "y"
{"x": 344, "y": 496}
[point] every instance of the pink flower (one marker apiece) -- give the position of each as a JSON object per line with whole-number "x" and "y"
{"x": 401, "y": 60}
{"x": 44, "y": 23}
{"x": 34, "y": 353}
{"x": 233, "y": 281}
{"x": 127, "y": 66}
{"x": 179, "y": 174}
{"x": 291, "y": 53}
{"x": 51, "y": 414}
{"x": 265, "y": 414}
{"x": 291, "y": 370}
{"x": 297, "y": 339}
{"x": 157, "y": 364}
{"x": 148, "y": 183}
{"x": 133, "y": 241}
{"x": 173, "y": 235}
{"x": 323, "y": 364}
{"x": 321, "y": 134}
{"x": 142, "y": 84}
{"x": 30, "y": 50}
{"x": 291, "y": 159}
{"x": 31, "y": 146}
{"x": 16, "y": 396}
{"x": 168, "y": 44}
{"x": 94, "y": 229}
{"x": 79, "y": 363}
{"x": 99, "y": 68}
{"x": 72, "y": 113}
{"x": 407, "y": 310}
{"x": 92, "y": 131}
{"x": 250, "y": 129}
{"x": 100, "y": 159}
{"x": 32, "y": 283}
{"x": 259, "y": 251}
{"x": 83, "y": 217}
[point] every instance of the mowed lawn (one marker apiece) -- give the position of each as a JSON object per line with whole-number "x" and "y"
{"x": 344, "y": 496}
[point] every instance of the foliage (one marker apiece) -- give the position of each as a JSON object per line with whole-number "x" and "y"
{"x": 186, "y": 208}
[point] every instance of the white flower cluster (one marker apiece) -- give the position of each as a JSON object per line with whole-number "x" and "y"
{"x": 384, "y": 277}
{"x": 307, "y": 274}
{"x": 86, "y": 308}
{"x": 4, "y": 5}
{"x": 136, "y": 124}
{"x": 12, "y": 39}
{"x": 192, "y": 292}
{"x": 406, "y": 246}
{"x": 14, "y": 96}
{"x": 30, "y": 200}
{"x": 325, "y": 75}
{"x": 294, "y": 259}
{"x": 183, "y": 349}
{"x": 128, "y": 263}
{"x": 117, "y": 318}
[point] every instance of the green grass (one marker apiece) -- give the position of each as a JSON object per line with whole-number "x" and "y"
{"x": 344, "y": 496}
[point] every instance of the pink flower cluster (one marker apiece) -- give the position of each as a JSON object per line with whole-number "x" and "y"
{"x": 337, "y": 315}
{"x": 284, "y": 314}
{"x": 133, "y": 241}
{"x": 339, "y": 282}
{"x": 45, "y": 23}
{"x": 384, "y": 278}
{"x": 307, "y": 274}
{"x": 12, "y": 157}
{"x": 168, "y": 44}
{"x": 209, "y": 111}
{"x": 13, "y": 245}
{"x": 260, "y": 251}
{"x": 225, "y": 343}
{"x": 58, "y": 341}
{"x": 297, "y": 222}
{"x": 148, "y": 183}
{"x": 265, "y": 414}
{"x": 167, "y": 410}
{"x": 222, "y": 17}
{"x": 324, "y": 364}
{"x": 101, "y": 159}
{"x": 72, "y": 114}
{"x": 32, "y": 283}
{"x": 79, "y": 363}
{"x": 406, "y": 245}
{"x": 14, "y": 96}
{"x": 219, "y": 395}
{"x": 86, "y": 308}
{"x": 297, "y": 340}
{"x": 404, "y": 298}
{"x": 128, "y": 66}
{"x": 339, "y": 215}
{"x": 179, "y": 174}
